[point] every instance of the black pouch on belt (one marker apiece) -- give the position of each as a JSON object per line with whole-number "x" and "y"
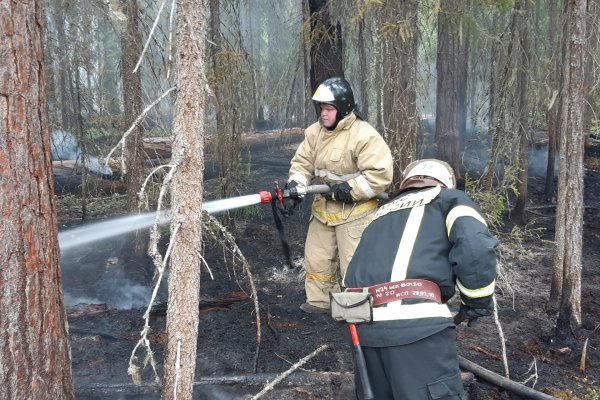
{"x": 352, "y": 307}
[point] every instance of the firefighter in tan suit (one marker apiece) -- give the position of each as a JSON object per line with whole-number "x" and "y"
{"x": 348, "y": 154}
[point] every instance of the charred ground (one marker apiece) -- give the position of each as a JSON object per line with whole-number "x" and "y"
{"x": 104, "y": 335}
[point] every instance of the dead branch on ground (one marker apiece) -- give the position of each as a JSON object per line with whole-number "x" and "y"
{"x": 502, "y": 382}
{"x": 289, "y": 371}
{"x": 502, "y": 338}
{"x": 214, "y": 227}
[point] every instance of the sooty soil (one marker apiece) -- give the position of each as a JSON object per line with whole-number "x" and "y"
{"x": 107, "y": 287}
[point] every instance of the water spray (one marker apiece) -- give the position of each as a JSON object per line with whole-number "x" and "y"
{"x": 97, "y": 231}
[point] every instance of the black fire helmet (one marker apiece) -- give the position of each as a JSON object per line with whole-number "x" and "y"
{"x": 336, "y": 92}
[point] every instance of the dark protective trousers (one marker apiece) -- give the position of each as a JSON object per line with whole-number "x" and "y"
{"x": 425, "y": 370}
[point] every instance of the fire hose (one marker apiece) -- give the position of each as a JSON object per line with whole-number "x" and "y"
{"x": 277, "y": 197}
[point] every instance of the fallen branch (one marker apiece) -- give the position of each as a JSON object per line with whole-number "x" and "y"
{"x": 289, "y": 371}
{"x": 583, "y": 356}
{"x": 213, "y": 227}
{"x": 503, "y": 382}
{"x": 298, "y": 379}
{"x": 502, "y": 339}
{"x": 488, "y": 353}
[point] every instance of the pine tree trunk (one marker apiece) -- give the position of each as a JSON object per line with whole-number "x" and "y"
{"x": 523, "y": 158}
{"x": 35, "y": 356}
{"x": 399, "y": 85}
{"x": 555, "y": 83}
{"x": 131, "y": 48}
{"x": 186, "y": 199}
{"x": 446, "y": 115}
{"x": 326, "y": 54}
{"x": 569, "y": 210}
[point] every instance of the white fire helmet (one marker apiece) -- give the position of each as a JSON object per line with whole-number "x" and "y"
{"x": 436, "y": 169}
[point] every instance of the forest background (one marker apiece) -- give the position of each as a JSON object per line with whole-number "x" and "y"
{"x": 434, "y": 77}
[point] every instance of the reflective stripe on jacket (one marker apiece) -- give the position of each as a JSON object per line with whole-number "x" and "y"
{"x": 353, "y": 152}
{"x": 434, "y": 234}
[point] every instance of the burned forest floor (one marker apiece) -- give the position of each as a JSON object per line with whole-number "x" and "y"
{"x": 108, "y": 284}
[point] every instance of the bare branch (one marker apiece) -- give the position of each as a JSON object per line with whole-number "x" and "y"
{"x": 162, "y": 4}
{"x": 160, "y": 265}
{"x": 212, "y": 224}
{"x": 170, "y": 44}
{"x": 533, "y": 376}
{"x": 289, "y": 371}
{"x": 502, "y": 338}
{"x": 135, "y": 123}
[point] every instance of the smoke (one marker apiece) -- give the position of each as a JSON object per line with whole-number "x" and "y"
{"x": 538, "y": 162}
{"x": 107, "y": 272}
{"x": 65, "y": 147}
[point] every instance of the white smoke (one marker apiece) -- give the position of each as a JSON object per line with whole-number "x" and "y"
{"x": 65, "y": 147}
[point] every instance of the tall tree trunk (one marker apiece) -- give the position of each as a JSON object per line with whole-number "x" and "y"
{"x": 557, "y": 51}
{"x": 502, "y": 102}
{"x": 326, "y": 52}
{"x": 523, "y": 158}
{"x": 309, "y": 110}
{"x": 591, "y": 63}
{"x": 186, "y": 198}
{"x": 364, "y": 70}
{"x": 569, "y": 210}
{"x": 399, "y": 84}
{"x": 64, "y": 60}
{"x": 81, "y": 133}
{"x": 131, "y": 48}
{"x": 493, "y": 65}
{"x": 254, "y": 94}
{"x": 446, "y": 115}
{"x": 35, "y": 356}
{"x": 463, "y": 75}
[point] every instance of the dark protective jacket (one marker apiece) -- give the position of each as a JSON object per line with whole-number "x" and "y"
{"x": 435, "y": 234}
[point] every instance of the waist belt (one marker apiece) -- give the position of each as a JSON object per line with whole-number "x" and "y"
{"x": 384, "y": 293}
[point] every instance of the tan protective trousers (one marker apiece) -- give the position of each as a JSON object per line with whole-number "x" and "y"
{"x": 326, "y": 249}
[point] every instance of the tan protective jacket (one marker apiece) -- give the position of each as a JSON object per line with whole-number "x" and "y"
{"x": 353, "y": 152}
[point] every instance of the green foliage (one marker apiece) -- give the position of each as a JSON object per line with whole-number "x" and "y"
{"x": 491, "y": 203}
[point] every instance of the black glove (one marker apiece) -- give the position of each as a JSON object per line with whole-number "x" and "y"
{"x": 340, "y": 192}
{"x": 471, "y": 314}
{"x": 290, "y": 203}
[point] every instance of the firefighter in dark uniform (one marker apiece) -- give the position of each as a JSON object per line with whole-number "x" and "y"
{"x": 420, "y": 246}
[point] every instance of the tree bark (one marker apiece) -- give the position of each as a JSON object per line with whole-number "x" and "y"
{"x": 569, "y": 210}
{"x": 35, "y": 355}
{"x": 555, "y": 43}
{"x": 400, "y": 118}
{"x": 523, "y": 158}
{"x": 186, "y": 198}
{"x": 131, "y": 48}
{"x": 446, "y": 115}
{"x": 364, "y": 70}
{"x": 463, "y": 77}
{"x": 326, "y": 52}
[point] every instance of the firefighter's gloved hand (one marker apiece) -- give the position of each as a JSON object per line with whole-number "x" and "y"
{"x": 471, "y": 314}
{"x": 290, "y": 203}
{"x": 340, "y": 192}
